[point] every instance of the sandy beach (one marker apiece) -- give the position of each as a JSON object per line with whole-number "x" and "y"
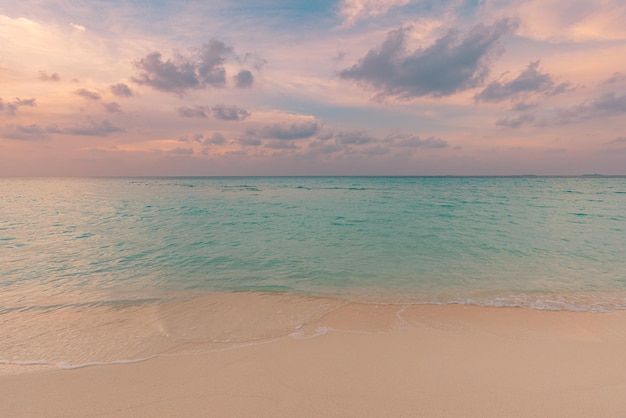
{"x": 362, "y": 360}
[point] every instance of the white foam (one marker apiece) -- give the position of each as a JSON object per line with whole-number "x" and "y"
{"x": 68, "y": 366}
{"x": 303, "y": 335}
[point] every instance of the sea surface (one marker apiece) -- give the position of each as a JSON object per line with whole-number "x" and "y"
{"x": 93, "y": 268}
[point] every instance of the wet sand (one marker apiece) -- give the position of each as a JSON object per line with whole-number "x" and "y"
{"x": 362, "y": 360}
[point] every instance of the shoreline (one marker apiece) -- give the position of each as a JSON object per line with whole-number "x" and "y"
{"x": 364, "y": 360}
{"x": 74, "y": 336}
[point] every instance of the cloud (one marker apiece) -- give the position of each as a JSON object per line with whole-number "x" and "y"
{"x": 29, "y": 132}
{"x": 522, "y": 106}
{"x": 531, "y": 80}
{"x": 24, "y": 132}
{"x": 516, "y": 122}
{"x": 216, "y": 139}
{"x": 414, "y": 141}
{"x": 221, "y": 112}
{"x": 362, "y": 143}
{"x": 194, "y": 112}
{"x": 44, "y": 76}
{"x": 77, "y": 27}
{"x": 166, "y": 76}
{"x": 34, "y": 131}
{"x": 233, "y": 113}
{"x": 615, "y": 78}
{"x": 89, "y": 95}
{"x": 112, "y": 107}
{"x": 210, "y": 68}
{"x": 204, "y": 68}
{"x": 353, "y": 138}
{"x": 25, "y": 102}
{"x": 354, "y": 10}
{"x": 250, "y": 142}
{"x": 604, "y": 106}
{"x": 103, "y": 128}
{"x": 325, "y": 148}
{"x": 284, "y": 131}
{"x": 609, "y": 104}
{"x": 182, "y": 151}
{"x": 121, "y": 90}
{"x": 619, "y": 140}
{"x": 244, "y": 79}
{"x": 448, "y": 66}
{"x": 571, "y": 20}
{"x": 287, "y": 136}
{"x": 10, "y": 108}
{"x": 281, "y": 145}
{"x": 372, "y": 152}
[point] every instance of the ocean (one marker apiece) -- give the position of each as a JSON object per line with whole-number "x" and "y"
{"x": 100, "y": 270}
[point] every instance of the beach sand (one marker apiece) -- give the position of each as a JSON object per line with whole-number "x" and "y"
{"x": 363, "y": 360}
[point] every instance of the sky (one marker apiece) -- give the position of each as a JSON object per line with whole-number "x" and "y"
{"x": 328, "y": 87}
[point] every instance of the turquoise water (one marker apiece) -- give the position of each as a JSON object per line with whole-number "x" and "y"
{"x": 97, "y": 270}
{"x": 552, "y": 243}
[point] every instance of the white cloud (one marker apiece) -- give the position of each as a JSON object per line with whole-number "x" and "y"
{"x": 29, "y": 46}
{"x": 79, "y": 28}
{"x": 565, "y": 20}
{"x": 354, "y": 10}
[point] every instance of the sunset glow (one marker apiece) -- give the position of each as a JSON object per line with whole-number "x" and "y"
{"x": 343, "y": 87}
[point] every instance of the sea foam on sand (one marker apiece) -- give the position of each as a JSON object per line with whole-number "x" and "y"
{"x": 361, "y": 360}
